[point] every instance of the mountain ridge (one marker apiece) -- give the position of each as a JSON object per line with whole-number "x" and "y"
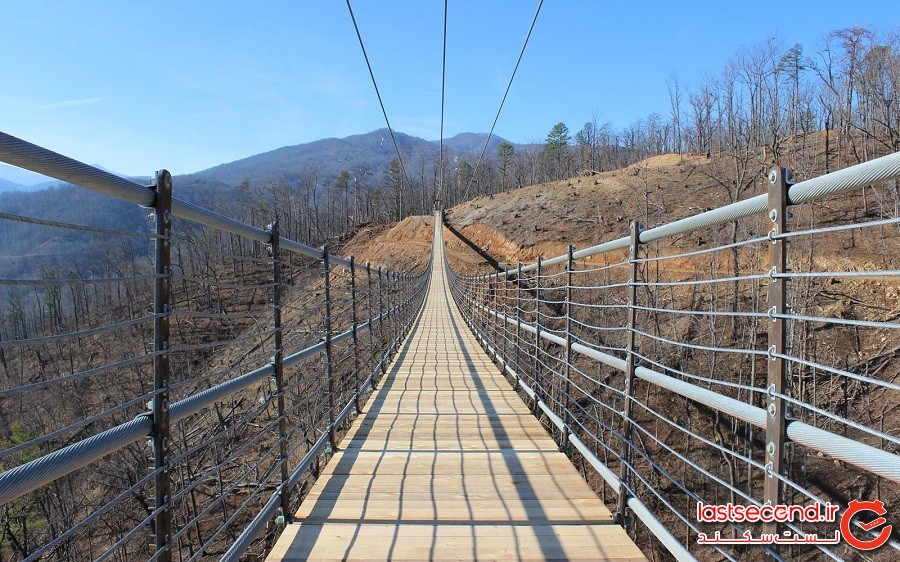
{"x": 330, "y": 156}
{"x": 7, "y": 186}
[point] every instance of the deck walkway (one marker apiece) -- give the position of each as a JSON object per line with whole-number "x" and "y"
{"x": 446, "y": 462}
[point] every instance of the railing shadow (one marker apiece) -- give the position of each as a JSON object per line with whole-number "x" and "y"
{"x": 475, "y": 247}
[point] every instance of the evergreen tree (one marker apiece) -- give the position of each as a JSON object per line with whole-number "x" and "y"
{"x": 556, "y": 147}
{"x": 505, "y": 153}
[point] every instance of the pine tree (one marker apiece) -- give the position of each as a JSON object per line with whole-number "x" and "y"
{"x": 556, "y": 147}
{"x": 505, "y": 153}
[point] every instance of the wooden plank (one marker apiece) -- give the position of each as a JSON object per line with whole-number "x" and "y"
{"x": 423, "y": 445}
{"x": 493, "y": 463}
{"x": 466, "y": 493}
{"x": 506, "y": 510}
{"x": 458, "y": 542}
{"x": 452, "y": 485}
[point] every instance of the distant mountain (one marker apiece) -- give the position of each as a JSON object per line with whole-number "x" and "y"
{"x": 44, "y": 185}
{"x": 7, "y": 186}
{"x": 328, "y": 157}
{"x": 8, "y": 183}
{"x": 25, "y": 179}
{"x": 473, "y": 142}
{"x": 372, "y": 150}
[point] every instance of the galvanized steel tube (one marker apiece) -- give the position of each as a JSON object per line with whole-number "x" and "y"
{"x": 659, "y": 530}
{"x": 873, "y": 459}
{"x": 41, "y": 471}
{"x": 859, "y": 454}
{"x": 32, "y": 157}
{"x": 193, "y": 404}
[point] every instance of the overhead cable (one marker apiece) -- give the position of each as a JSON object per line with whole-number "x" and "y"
{"x": 505, "y": 94}
{"x": 377, "y": 92}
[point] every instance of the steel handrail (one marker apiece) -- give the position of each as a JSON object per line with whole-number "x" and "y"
{"x": 873, "y": 459}
{"x": 396, "y": 315}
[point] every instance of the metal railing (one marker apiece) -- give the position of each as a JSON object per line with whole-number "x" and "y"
{"x": 748, "y": 354}
{"x": 184, "y": 418}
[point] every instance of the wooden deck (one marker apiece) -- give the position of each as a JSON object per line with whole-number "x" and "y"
{"x": 447, "y": 463}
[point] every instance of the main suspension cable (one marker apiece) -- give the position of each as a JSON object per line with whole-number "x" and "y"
{"x": 443, "y": 83}
{"x": 377, "y": 92}
{"x": 503, "y": 101}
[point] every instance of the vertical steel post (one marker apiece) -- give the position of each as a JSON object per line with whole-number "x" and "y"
{"x": 485, "y": 302}
{"x": 161, "y": 367}
{"x": 329, "y": 369}
{"x": 384, "y": 347}
{"x": 776, "y": 302}
{"x": 406, "y": 303}
{"x": 491, "y": 304}
{"x": 504, "y": 324}
{"x": 518, "y": 322}
{"x": 401, "y": 300}
{"x": 389, "y": 309}
{"x": 408, "y": 294}
{"x": 496, "y": 316}
{"x": 538, "y": 382}
{"x": 393, "y": 296}
{"x": 625, "y": 460}
{"x": 567, "y": 418}
{"x": 277, "y": 363}
{"x": 353, "y": 319}
{"x": 371, "y": 329}
{"x": 400, "y": 309}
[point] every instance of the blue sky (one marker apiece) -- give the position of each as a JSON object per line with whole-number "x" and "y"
{"x": 136, "y": 86}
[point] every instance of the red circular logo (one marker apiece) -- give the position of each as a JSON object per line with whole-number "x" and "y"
{"x": 855, "y": 507}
